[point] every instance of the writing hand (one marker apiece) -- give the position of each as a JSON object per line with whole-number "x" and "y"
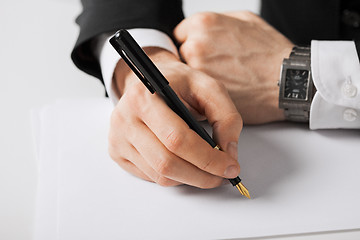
{"x": 150, "y": 141}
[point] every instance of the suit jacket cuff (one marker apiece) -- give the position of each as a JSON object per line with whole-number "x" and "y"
{"x": 99, "y": 17}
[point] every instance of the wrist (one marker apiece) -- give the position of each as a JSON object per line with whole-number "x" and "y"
{"x": 276, "y": 112}
{"x": 285, "y": 53}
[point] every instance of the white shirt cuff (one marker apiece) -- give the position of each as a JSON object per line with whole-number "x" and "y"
{"x": 336, "y": 73}
{"x": 108, "y": 57}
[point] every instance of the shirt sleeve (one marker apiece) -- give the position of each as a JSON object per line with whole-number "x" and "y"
{"x": 336, "y": 74}
{"x": 108, "y": 57}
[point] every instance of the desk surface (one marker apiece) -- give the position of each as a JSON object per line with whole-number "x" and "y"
{"x": 32, "y": 73}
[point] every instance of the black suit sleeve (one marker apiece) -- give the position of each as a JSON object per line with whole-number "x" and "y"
{"x": 103, "y": 16}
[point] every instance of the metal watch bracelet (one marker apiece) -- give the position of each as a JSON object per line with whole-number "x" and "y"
{"x": 296, "y": 110}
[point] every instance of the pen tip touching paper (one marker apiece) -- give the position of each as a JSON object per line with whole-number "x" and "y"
{"x": 243, "y": 190}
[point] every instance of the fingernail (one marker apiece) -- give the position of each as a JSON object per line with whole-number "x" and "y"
{"x": 232, "y": 149}
{"x": 231, "y": 172}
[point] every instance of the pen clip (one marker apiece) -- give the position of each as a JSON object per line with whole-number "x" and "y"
{"x": 136, "y": 71}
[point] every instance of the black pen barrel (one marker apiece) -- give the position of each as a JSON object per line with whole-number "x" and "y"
{"x": 173, "y": 101}
{"x": 180, "y": 109}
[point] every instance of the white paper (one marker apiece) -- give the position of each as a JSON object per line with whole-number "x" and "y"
{"x": 301, "y": 181}
{"x": 45, "y": 131}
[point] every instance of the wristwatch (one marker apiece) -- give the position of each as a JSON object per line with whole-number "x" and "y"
{"x": 296, "y": 85}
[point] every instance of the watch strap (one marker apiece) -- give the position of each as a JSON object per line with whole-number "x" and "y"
{"x": 299, "y": 52}
{"x": 296, "y": 111}
{"x": 298, "y": 114}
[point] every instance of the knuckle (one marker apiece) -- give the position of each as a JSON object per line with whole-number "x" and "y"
{"x": 248, "y": 13}
{"x": 138, "y": 101}
{"x": 234, "y": 118}
{"x": 114, "y": 154}
{"x": 174, "y": 140}
{"x": 115, "y": 117}
{"x": 205, "y": 19}
{"x": 134, "y": 95}
{"x": 121, "y": 161}
{"x": 211, "y": 183}
{"x": 192, "y": 49}
{"x": 207, "y": 164}
{"x": 119, "y": 129}
{"x": 195, "y": 63}
{"x": 113, "y": 140}
{"x": 215, "y": 85}
{"x": 251, "y": 17}
{"x": 114, "y": 150}
{"x": 164, "y": 165}
{"x": 220, "y": 86}
{"x": 163, "y": 181}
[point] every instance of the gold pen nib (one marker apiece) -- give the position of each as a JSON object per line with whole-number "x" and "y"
{"x": 242, "y": 189}
{"x": 237, "y": 182}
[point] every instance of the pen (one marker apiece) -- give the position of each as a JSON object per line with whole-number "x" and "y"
{"x": 153, "y": 79}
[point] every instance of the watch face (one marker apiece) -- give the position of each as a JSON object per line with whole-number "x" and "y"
{"x": 296, "y": 84}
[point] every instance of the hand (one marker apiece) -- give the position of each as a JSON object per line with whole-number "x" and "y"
{"x": 150, "y": 141}
{"x": 244, "y": 53}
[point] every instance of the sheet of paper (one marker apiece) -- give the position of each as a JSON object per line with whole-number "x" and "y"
{"x": 301, "y": 181}
{"x": 45, "y": 132}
